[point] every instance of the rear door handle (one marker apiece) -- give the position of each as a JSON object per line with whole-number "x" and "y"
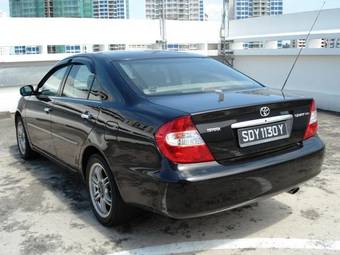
{"x": 86, "y": 116}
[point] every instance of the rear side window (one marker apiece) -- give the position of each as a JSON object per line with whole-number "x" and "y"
{"x": 97, "y": 92}
{"x": 79, "y": 82}
{"x": 51, "y": 85}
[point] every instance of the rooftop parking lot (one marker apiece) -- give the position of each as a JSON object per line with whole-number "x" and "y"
{"x": 44, "y": 210}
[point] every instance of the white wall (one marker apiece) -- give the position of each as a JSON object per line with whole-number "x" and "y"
{"x": 9, "y": 98}
{"x": 317, "y": 76}
{"x": 70, "y": 31}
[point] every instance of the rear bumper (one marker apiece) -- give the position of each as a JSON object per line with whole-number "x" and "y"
{"x": 186, "y": 191}
{"x": 210, "y": 187}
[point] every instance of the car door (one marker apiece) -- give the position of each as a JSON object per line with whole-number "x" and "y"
{"x": 74, "y": 114}
{"x": 38, "y": 109}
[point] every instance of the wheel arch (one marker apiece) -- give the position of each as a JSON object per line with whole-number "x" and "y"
{"x": 86, "y": 154}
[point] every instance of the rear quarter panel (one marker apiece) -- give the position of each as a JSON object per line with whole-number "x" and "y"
{"x": 131, "y": 151}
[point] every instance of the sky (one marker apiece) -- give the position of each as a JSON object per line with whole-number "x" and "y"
{"x": 213, "y": 7}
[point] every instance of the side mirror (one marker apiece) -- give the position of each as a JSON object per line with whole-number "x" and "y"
{"x": 26, "y": 90}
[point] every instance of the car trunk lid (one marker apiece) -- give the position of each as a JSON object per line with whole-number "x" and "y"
{"x": 221, "y": 122}
{"x": 242, "y": 132}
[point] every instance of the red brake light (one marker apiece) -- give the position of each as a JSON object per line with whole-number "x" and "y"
{"x": 312, "y": 127}
{"x": 180, "y": 142}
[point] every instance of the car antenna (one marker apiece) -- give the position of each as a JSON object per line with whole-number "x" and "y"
{"x": 300, "y": 51}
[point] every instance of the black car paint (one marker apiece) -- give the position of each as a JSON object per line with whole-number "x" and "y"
{"x": 122, "y": 129}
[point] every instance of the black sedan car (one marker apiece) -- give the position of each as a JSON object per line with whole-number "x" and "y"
{"x": 179, "y": 134}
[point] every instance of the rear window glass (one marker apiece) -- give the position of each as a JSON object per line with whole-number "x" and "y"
{"x": 183, "y": 75}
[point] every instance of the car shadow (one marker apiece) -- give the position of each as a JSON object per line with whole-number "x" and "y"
{"x": 146, "y": 229}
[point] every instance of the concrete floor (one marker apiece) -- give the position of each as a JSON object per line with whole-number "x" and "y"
{"x": 44, "y": 210}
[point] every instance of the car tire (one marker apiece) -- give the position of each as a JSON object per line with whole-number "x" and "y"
{"x": 24, "y": 146}
{"x": 106, "y": 202}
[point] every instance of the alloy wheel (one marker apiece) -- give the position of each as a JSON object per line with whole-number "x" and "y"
{"x": 21, "y": 137}
{"x": 100, "y": 190}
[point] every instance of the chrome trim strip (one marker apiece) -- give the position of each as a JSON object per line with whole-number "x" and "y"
{"x": 39, "y": 128}
{"x": 64, "y": 138}
{"x": 258, "y": 122}
{"x": 53, "y": 134}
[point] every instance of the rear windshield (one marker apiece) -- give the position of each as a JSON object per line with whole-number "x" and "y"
{"x": 184, "y": 75}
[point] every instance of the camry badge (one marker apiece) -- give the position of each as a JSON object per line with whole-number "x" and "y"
{"x": 214, "y": 129}
{"x": 264, "y": 111}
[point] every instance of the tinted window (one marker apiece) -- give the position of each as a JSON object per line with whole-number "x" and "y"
{"x": 51, "y": 86}
{"x": 97, "y": 92}
{"x": 184, "y": 75}
{"x": 79, "y": 82}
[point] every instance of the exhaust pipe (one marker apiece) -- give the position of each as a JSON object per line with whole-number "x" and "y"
{"x": 294, "y": 191}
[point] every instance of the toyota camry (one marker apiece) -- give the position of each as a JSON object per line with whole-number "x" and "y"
{"x": 176, "y": 133}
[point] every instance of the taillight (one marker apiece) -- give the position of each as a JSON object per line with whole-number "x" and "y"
{"x": 180, "y": 142}
{"x": 312, "y": 127}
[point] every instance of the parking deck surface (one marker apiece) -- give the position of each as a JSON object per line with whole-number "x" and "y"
{"x": 44, "y": 210}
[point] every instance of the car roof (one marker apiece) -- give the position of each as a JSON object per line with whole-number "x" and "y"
{"x": 138, "y": 55}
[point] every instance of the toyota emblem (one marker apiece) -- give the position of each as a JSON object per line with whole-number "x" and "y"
{"x": 264, "y": 111}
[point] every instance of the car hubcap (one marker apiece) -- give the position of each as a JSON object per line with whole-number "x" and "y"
{"x": 100, "y": 190}
{"x": 21, "y": 137}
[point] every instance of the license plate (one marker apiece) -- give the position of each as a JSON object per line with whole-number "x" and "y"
{"x": 262, "y": 134}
